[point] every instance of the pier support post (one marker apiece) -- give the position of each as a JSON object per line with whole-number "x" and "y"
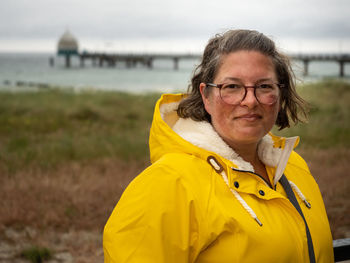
{"x": 67, "y": 61}
{"x": 82, "y": 64}
{"x": 100, "y": 62}
{"x": 306, "y": 67}
{"x": 176, "y": 63}
{"x": 341, "y": 68}
{"x": 52, "y": 61}
{"x": 111, "y": 63}
{"x": 149, "y": 63}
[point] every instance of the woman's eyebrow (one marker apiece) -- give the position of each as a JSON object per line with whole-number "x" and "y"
{"x": 232, "y": 79}
{"x": 264, "y": 79}
{"x": 239, "y": 80}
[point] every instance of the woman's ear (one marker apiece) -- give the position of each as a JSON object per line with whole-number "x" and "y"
{"x": 202, "y": 90}
{"x": 205, "y": 96}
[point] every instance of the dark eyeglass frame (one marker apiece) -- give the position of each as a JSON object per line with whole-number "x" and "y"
{"x": 219, "y": 86}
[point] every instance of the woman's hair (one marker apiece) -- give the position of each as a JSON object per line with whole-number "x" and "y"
{"x": 235, "y": 40}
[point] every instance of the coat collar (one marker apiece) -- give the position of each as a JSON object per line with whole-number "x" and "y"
{"x": 203, "y": 135}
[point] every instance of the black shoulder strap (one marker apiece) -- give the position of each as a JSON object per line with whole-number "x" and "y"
{"x": 293, "y": 200}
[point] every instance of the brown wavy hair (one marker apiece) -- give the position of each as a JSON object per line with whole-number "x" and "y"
{"x": 292, "y": 105}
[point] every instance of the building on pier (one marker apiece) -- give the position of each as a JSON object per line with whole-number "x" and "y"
{"x": 67, "y": 46}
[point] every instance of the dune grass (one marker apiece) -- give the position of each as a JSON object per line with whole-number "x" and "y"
{"x": 47, "y": 128}
{"x": 328, "y": 125}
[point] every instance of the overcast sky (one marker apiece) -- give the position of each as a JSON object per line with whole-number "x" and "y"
{"x": 296, "y": 25}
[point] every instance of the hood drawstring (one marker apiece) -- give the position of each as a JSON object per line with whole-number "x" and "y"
{"x": 241, "y": 200}
{"x": 219, "y": 169}
{"x": 300, "y": 194}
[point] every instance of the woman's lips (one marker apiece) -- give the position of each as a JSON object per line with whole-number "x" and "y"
{"x": 249, "y": 117}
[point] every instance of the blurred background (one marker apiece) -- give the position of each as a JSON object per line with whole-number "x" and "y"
{"x": 72, "y": 138}
{"x": 31, "y": 30}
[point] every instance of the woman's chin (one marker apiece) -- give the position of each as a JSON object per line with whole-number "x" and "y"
{"x": 248, "y": 136}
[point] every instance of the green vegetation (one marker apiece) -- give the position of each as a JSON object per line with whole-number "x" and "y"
{"x": 328, "y": 125}
{"x": 47, "y": 128}
{"x": 36, "y": 254}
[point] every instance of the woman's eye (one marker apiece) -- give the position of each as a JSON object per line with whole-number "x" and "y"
{"x": 232, "y": 86}
{"x": 265, "y": 86}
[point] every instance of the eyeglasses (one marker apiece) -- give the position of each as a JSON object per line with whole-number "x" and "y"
{"x": 234, "y": 94}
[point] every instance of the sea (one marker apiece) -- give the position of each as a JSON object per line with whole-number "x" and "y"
{"x": 28, "y": 71}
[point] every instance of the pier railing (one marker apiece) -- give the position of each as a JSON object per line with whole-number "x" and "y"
{"x": 132, "y": 60}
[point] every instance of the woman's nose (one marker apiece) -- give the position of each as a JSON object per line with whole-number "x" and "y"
{"x": 249, "y": 99}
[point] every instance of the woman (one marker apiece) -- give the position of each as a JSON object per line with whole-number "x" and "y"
{"x": 219, "y": 187}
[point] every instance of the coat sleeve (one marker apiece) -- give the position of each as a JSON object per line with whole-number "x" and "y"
{"x": 156, "y": 220}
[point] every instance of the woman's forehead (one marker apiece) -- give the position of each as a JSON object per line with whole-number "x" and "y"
{"x": 245, "y": 66}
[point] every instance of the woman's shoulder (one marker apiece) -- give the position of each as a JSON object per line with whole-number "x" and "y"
{"x": 298, "y": 171}
{"x": 165, "y": 185}
{"x": 298, "y": 162}
{"x": 181, "y": 162}
{"x": 188, "y": 170}
{"x": 171, "y": 171}
{"x": 154, "y": 209}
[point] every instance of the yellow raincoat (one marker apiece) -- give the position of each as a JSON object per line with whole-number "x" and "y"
{"x": 200, "y": 202}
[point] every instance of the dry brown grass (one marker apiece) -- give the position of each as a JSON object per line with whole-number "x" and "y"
{"x": 78, "y": 196}
{"x": 83, "y": 196}
{"x": 64, "y": 210}
{"x": 331, "y": 170}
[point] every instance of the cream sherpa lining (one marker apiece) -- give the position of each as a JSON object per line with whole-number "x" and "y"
{"x": 203, "y": 135}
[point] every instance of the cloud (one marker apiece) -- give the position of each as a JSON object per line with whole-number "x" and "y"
{"x": 113, "y": 19}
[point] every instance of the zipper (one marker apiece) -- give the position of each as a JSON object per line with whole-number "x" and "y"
{"x": 259, "y": 176}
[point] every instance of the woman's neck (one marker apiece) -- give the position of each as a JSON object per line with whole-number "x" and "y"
{"x": 249, "y": 152}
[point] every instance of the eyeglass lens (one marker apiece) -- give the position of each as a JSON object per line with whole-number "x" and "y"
{"x": 234, "y": 94}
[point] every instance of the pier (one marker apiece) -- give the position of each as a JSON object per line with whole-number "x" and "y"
{"x": 68, "y": 46}
{"x": 341, "y": 59}
{"x": 133, "y": 59}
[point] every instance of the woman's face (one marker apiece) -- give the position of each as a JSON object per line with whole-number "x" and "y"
{"x": 249, "y": 121}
